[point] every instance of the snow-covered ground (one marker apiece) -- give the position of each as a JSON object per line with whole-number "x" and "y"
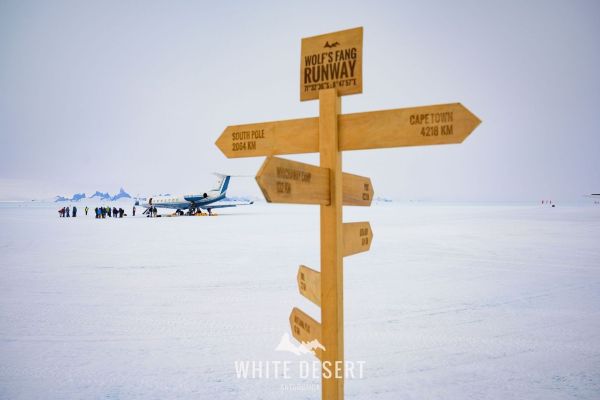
{"x": 452, "y": 302}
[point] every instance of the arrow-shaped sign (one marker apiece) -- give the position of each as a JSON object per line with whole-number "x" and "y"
{"x": 270, "y": 138}
{"x": 287, "y": 181}
{"x": 356, "y": 190}
{"x": 357, "y": 237}
{"x": 306, "y": 330}
{"x": 309, "y": 284}
{"x": 415, "y": 126}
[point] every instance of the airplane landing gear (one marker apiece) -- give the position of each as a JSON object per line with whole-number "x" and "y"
{"x": 192, "y": 210}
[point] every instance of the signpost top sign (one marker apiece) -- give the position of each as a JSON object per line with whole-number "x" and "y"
{"x": 333, "y": 60}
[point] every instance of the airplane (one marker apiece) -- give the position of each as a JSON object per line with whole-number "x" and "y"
{"x": 193, "y": 203}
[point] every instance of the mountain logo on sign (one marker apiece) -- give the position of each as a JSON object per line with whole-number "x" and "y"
{"x": 332, "y": 45}
{"x": 285, "y": 344}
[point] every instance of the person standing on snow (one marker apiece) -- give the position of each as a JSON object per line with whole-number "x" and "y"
{"x": 74, "y": 211}
{"x": 86, "y": 209}
{"x": 68, "y": 210}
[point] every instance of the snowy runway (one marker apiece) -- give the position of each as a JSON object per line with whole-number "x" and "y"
{"x": 452, "y": 302}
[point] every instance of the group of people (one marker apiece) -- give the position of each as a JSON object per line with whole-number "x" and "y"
{"x": 114, "y": 212}
{"x": 65, "y": 212}
{"x": 100, "y": 212}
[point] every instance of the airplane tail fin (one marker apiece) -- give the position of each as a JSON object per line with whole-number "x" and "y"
{"x": 222, "y": 182}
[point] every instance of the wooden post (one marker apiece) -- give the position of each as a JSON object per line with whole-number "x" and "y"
{"x": 332, "y": 298}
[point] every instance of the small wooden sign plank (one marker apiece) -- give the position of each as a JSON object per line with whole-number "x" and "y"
{"x": 357, "y": 237}
{"x": 309, "y": 284}
{"x": 307, "y": 331}
{"x": 415, "y": 126}
{"x": 287, "y": 181}
{"x": 356, "y": 190}
{"x": 292, "y": 136}
{"x": 332, "y": 60}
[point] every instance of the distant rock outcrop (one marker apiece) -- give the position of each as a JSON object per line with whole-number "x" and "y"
{"x": 78, "y": 196}
{"x": 121, "y": 195}
{"x": 103, "y": 196}
{"x": 100, "y": 196}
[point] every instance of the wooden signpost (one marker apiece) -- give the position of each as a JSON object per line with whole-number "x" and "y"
{"x": 331, "y": 66}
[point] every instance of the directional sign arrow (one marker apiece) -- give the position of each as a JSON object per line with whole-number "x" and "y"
{"x": 415, "y": 126}
{"x": 357, "y": 237}
{"x": 287, "y": 181}
{"x": 306, "y": 330}
{"x": 270, "y": 138}
{"x": 356, "y": 190}
{"x": 309, "y": 284}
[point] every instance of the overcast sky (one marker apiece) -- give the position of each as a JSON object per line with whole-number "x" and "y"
{"x": 99, "y": 95}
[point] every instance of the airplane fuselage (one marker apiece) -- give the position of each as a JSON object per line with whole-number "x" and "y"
{"x": 183, "y": 202}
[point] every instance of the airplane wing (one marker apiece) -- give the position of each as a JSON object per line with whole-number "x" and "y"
{"x": 225, "y": 204}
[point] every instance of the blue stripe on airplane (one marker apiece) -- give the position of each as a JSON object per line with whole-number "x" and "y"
{"x": 225, "y": 184}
